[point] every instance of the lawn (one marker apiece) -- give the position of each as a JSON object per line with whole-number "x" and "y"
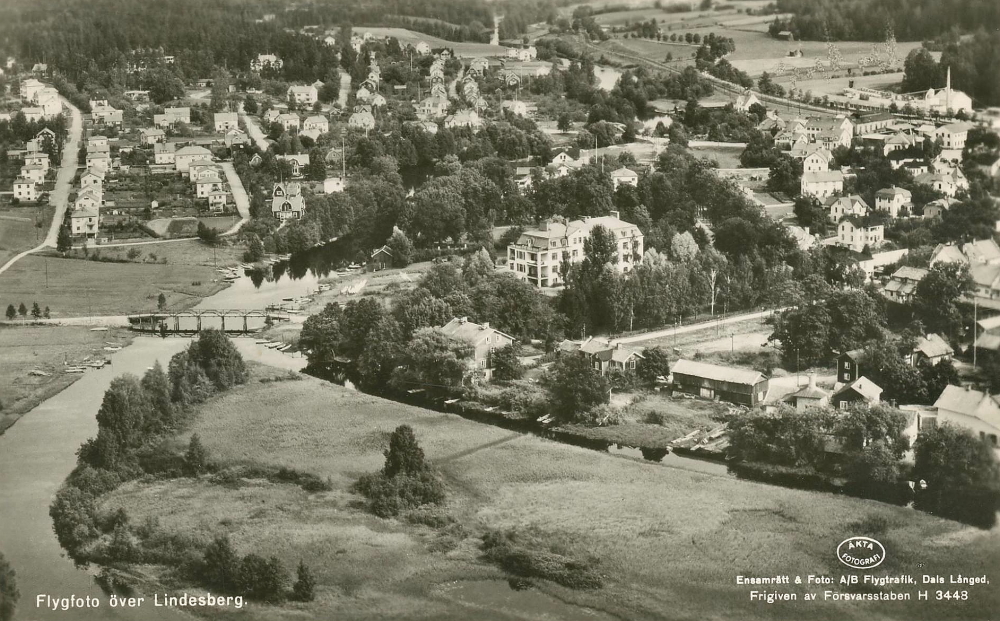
{"x": 43, "y": 348}
{"x": 75, "y": 287}
{"x": 18, "y": 231}
{"x": 189, "y": 252}
{"x": 671, "y": 542}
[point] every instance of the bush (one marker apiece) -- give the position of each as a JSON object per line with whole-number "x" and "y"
{"x": 304, "y": 589}
{"x": 262, "y": 579}
{"x": 8, "y": 590}
{"x": 196, "y": 457}
{"x": 527, "y": 556}
{"x": 390, "y": 496}
{"x": 220, "y": 567}
{"x": 74, "y": 519}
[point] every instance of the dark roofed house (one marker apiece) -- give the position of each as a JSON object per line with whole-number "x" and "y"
{"x": 860, "y": 390}
{"x": 606, "y": 356}
{"x": 903, "y": 283}
{"x": 381, "y": 259}
{"x": 483, "y": 338}
{"x": 848, "y": 366}
{"x": 711, "y": 381}
{"x": 810, "y": 396}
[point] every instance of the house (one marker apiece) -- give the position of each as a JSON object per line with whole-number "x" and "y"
{"x": 516, "y": 107}
{"x": 464, "y": 118}
{"x": 33, "y": 114}
{"x": 710, "y": 381}
{"x": 980, "y": 252}
{"x": 318, "y": 123}
{"x": 184, "y": 156}
{"x": 854, "y": 233}
{"x": 976, "y": 411}
{"x": 265, "y": 61}
{"x": 771, "y": 125}
{"x": 931, "y": 349}
{"x": 484, "y": 339}
{"x": 848, "y": 366}
{"x": 873, "y": 122}
{"x": 903, "y": 283}
{"x": 151, "y": 135}
{"x": 85, "y": 221}
{"x": 199, "y": 169}
{"x": 624, "y": 176}
{"x": 893, "y": 200}
{"x": 814, "y": 158}
{"x": 606, "y": 357}
{"x": 947, "y": 182}
{"x": 287, "y": 202}
{"x": 538, "y": 254}
{"x": 934, "y": 209}
{"x": 810, "y": 396}
{"x": 861, "y": 390}
{"x": 98, "y": 143}
{"x": 433, "y": 107}
{"x": 746, "y": 99}
{"x": 236, "y": 138}
{"x": 522, "y": 53}
{"x": 381, "y": 259}
{"x": 25, "y": 190}
{"x": 953, "y": 135}
{"x": 822, "y": 184}
{"x": 29, "y": 88}
{"x": 172, "y": 116}
{"x": 207, "y": 184}
{"x": 362, "y": 120}
{"x": 305, "y": 95}
{"x": 87, "y": 199}
{"x": 217, "y": 200}
{"x": 332, "y": 185}
{"x": 224, "y": 121}
{"x": 164, "y": 152}
{"x": 563, "y": 157}
{"x": 37, "y": 159}
{"x": 298, "y": 163}
{"x": 985, "y": 280}
{"x": 106, "y": 115}
{"x": 35, "y": 174}
{"x": 289, "y": 121}
{"x": 840, "y": 207}
{"x": 93, "y": 180}
{"x": 830, "y": 132}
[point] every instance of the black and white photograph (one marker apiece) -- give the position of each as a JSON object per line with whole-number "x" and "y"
{"x": 499, "y": 310}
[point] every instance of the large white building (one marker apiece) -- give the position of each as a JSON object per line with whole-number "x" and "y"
{"x": 539, "y": 253}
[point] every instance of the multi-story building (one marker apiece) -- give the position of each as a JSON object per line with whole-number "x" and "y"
{"x": 539, "y": 253}
{"x": 854, "y": 233}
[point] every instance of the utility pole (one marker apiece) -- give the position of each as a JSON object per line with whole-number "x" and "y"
{"x": 975, "y": 322}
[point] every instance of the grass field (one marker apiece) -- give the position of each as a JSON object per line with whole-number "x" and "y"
{"x": 671, "y": 541}
{"x": 43, "y": 348}
{"x": 78, "y": 288}
{"x": 18, "y": 231}
{"x": 191, "y": 252}
{"x": 406, "y": 36}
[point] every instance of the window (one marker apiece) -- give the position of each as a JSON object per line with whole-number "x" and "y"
{"x": 631, "y": 364}
{"x": 847, "y": 364}
{"x": 843, "y": 405}
{"x": 482, "y": 364}
{"x": 847, "y": 376}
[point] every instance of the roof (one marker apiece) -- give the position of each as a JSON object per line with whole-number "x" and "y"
{"x": 210, "y": 178}
{"x": 989, "y": 323}
{"x": 623, "y": 172}
{"x": 933, "y": 346}
{"x": 955, "y": 128}
{"x": 383, "y": 250}
{"x": 970, "y": 402}
{"x": 848, "y": 201}
{"x": 226, "y": 116}
{"x": 822, "y": 176}
{"x": 894, "y": 191}
{"x": 194, "y": 150}
{"x": 985, "y": 275}
{"x": 558, "y": 230}
{"x": 982, "y": 251}
{"x": 809, "y": 391}
{"x": 317, "y": 119}
{"x": 717, "y": 373}
{"x": 462, "y": 328}
{"x": 988, "y": 341}
{"x": 909, "y": 273}
{"x": 864, "y": 387}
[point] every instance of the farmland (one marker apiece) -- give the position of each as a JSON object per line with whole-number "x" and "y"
{"x": 43, "y": 348}
{"x": 76, "y": 287}
{"x": 706, "y": 529}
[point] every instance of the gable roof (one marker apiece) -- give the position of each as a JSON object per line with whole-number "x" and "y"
{"x": 933, "y": 346}
{"x": 717, "y": 372}
{"x": 894, "y": 191}
{"x": 822, "y": 176}
{"x": 864, "y": 387}
{"x": 982, "y": 251}
{"x": 970, "y": 402}
{"x": 462, "y": 328}
{"x": 194, "y": 150}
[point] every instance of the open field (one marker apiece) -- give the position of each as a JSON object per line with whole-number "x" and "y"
{"x": 77, "y": 287}
{"x": 43, "y": 348}
{"x": 191, "y": 252}
{"x": 18, "y": 231}
{"x": 406, "y": 36}
{"x": 671, "y": 542}
{"x": 188, "y": 226}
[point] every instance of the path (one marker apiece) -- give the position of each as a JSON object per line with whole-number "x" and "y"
{"x": 239, "y": 196}
{"x": 254, "y": 131}
{"x": 705, "y": 325}
{"x": 59, "y": 197}
{"x": 345, "y": 89}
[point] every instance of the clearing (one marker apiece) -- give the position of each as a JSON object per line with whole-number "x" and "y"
{"x": 18, "y": 231}
{"x": 47, "y": 349}
{"x": 671, "y": 542}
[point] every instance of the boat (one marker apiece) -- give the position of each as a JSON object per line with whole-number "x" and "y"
{"x": 75, "y": 369}
{"x": 272, "y": 345}
{"x": 112, "y": 348}
{"x": 101, "y": 329}
{"x": 39, "y": 373}
{"x": 99, "y": 363}
{"x": 285, "y": 347}
{"x": 262, "y": 341}
{"x": 354, "y": 266}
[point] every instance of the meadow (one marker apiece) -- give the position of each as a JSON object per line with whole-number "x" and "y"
{"x": 45, "y": 348}
{"x": 75, "y": 287}
{"x": 410, "y": 37}
{"x": 18, "y": 231}
{"x": 671, "y": 541}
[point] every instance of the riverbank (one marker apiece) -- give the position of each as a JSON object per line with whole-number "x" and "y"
{"x": 630, "y": 515}
{"x": 35, "y": 358}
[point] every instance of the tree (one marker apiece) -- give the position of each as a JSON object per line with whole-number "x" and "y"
{"x": 156, "y": 386}
{"x": 36, "y": 312}
{"x": 207, "y": 234}
{"x": 221, "y": 565}
{"x": 433, "y": 358}
{"x": 250, "y": 105}
{"x": 400, "y": 247}
{"x": 962, "y": 475}
{"x": 304, "y": 589}
{"x": 255, "y": 248}
{"x": 575, "y": 387}
{"x": 8, "y": 590}
{"x": 565, "y": 122}
{"x": 64, "y": 242}
{"x": 321, "y": 336}
{"x": 196, "y": 457}
{"x": 404, "y": 455}
{"x": 506, "y": 363}
{"x": 263, "y": 579}
{"x": 221, "y": 362}
{"x": 45, "y": 313}
{"x": 11, "y": 312}
{"x": 920, "y": 71}
{"x": 22, "y": 310}
{"x": 161, "y": 302}
{"x": 655, "y": 364}
{"x": 936, "y": 295}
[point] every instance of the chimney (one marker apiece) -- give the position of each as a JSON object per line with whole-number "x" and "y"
{"x": 812, "y": 380}
{"x": 615, "y": 214}
{"x": 485, "y": 326}
{"x": 618, "y": 345}
{"x": 544, "y": 225}
{"x": 463, "y": 319}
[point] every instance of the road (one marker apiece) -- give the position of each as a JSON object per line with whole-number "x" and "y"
{"x": 254, "y": 132}
{"x": 694, "y": 327}
{"x": 239, "y": 196}
{"x": 345, "y": 89}
{"x": 59, "y": 197}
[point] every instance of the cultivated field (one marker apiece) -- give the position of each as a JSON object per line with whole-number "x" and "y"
{"x": 671, "y": 542}
{"x": 18, "y": 231}
{"x": 44, "y": 348}
{"x": 78, "y": 287}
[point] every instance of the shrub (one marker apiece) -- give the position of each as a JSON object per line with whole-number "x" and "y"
{"x": 304, "y": 589}
{"x": 262, "y": 579}
{"x": 220, "y": 567}
{"x": 390, "y": 496}
{"x": 196, "y": 457}
{"x": 74, "y": 520}
{"x": 528, "y": 556}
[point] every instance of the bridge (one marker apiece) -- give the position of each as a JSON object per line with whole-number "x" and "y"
{"x": 230, "y": 321}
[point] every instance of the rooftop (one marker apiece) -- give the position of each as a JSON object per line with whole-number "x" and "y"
{"x": 717, "y": 372}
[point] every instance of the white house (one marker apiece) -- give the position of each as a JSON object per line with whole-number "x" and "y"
{"x": 183, "y": 157}
{"x": 25, "y": 190}
{"x": 840, "y": 207}
{"x": 317, "y": 122}
{"x": 93, "y": 180}
{"x": 433, "y": 107}
{"x": 151, "y": 135}
{"x": 814, "y": 158}
{"x": 29, "y": 88}
{"x": 822, "y": 184}
{"x": 208, "y": 184}
{"x": 85, "y": 221}
{"x": 853, "y": 233}
{"x": 298, "y": 162}
{"x": 164, "y": 152}
{"x": 362, "y": 119}
{"x": 517, "y": 107}
{"x": 464, "y": 118}
{"x": 303, "y": 94}
{"x": 953, "y": 135}
{"x": 892, "y": 200}
{"x": 289, "y": 121}
{"x": 287, "y": 202}
{"x": 225, "y": 121}
{"x": 106, "y": 115}
{"x": 624, "y": 176}
{"x": 37, "y": 159}
{"x": 976, "y": 411}
{"x": 35, "y": 174}
{"x": 745, "y": 100}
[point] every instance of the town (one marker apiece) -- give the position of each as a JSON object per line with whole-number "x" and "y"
{"x": 466, "y": 309}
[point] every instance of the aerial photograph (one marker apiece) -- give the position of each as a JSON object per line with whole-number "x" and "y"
{"x": 499, "y": 310}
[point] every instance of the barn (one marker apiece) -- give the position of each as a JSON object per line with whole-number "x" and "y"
{"x": 711, "y": 381}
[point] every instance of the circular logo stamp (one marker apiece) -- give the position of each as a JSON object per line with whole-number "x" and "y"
{"x": 861, "y": 552}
